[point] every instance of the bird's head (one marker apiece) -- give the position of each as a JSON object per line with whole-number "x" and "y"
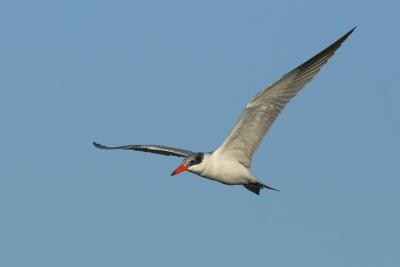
{"x": 188, "y": 162}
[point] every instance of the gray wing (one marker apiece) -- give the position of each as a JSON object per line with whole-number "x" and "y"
{"x": 261, "y": 112}
{"x": 162, "y": 150}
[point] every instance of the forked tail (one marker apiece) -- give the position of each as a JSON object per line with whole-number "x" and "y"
{"x": 257, "y": 186}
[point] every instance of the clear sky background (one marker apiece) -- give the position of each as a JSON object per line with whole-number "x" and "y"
{"x": 179, "y": 73}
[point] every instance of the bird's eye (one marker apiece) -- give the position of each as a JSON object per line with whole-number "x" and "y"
{"x": 191, "y": 162}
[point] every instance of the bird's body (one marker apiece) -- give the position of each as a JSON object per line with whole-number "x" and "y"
{"x": 230, "y": 163}
{"x": 216, "y": 167}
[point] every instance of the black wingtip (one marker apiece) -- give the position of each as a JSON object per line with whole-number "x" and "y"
{"x": 345, "y": 36}
{"x": 351, "y": 31}
{"x": 98, "y": 145}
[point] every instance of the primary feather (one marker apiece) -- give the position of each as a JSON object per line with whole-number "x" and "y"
{"x": 162, "y": 150}
{"x": 261, "y": 112}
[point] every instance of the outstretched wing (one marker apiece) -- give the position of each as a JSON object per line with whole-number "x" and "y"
{"x": 261, "y": 112}
{"x": 162, "y": 150}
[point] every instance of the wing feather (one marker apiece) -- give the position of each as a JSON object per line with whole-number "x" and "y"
{"x": 162, "y": 150}
{"x": 261, "y": 112}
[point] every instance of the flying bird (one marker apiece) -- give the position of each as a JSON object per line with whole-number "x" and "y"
{"x": 230, "y": 163}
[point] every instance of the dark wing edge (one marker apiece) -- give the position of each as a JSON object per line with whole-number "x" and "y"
{"x": 308, "y": 69}
{"x": 156, "y": 149}
{"x": 261, "y": 112}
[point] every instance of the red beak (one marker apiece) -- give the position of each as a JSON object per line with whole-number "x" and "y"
{"x": 180, "y": 169}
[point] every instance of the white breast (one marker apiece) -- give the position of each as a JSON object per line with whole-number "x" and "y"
{"x": 223, "y": 170}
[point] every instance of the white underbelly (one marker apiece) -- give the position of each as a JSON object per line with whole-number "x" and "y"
{"x": 224, "y": 171}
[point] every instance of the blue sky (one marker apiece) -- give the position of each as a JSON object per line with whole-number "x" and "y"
{"x": 179, "y": 73}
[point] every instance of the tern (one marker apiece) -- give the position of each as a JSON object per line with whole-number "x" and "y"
{"x": 230, "y": 163}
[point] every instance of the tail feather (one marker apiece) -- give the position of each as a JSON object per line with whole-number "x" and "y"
{"x": 256, "y": 187}
{"x": 268, "y": 187}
